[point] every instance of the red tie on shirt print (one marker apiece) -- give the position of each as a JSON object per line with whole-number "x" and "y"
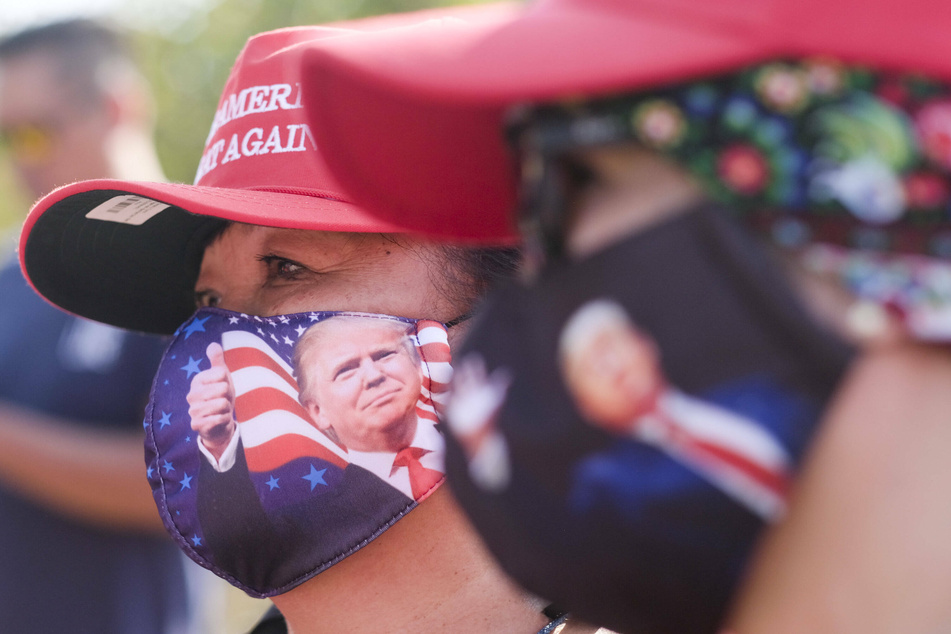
{"x": 421, "y": 479}
{"x": 755, "y": 479}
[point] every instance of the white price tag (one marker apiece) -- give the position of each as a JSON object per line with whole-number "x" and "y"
{"x": 128, "y": 209}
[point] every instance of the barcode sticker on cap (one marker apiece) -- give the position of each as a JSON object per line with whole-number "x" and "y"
{"x": 128, "y": 209}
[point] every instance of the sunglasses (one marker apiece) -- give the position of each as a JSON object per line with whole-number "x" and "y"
{"x": 30, "y": 143}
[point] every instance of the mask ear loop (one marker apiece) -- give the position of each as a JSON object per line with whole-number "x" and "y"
{"x": 550, "y": 178}
{"x": 543, "y": 200}
{"x": 466, "y": 316}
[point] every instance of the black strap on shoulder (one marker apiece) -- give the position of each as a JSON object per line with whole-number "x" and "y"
{"x": 557, "y": 616}
{"x": 271, "y": 623}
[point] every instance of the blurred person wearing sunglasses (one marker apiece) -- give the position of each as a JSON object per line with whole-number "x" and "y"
{"x": 82, "y": 546}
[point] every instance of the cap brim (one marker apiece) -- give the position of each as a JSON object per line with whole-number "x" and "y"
{"x": 141, "y": 277}
{"x": 411, "y": 118}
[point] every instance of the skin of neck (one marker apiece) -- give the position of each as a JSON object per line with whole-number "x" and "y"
{"x": 633, "y": 190}
{"x": 446, "y": 582}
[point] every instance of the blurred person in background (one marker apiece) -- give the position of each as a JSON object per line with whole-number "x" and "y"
{"x": 81, "y": 546}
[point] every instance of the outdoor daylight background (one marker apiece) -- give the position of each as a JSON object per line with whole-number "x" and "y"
{"x": 186, "y": 49}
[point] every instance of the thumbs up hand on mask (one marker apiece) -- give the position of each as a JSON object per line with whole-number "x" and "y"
{"x": 211, "y": 403}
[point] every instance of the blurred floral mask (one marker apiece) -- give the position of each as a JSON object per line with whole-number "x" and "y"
{"x": 846, "y": 167}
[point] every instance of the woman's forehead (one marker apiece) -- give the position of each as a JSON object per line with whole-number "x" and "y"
{"x": 248, "y": 234}
{"x": 243, "y": 245}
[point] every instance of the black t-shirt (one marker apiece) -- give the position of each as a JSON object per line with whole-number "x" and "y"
{"x": 57, "y": 575}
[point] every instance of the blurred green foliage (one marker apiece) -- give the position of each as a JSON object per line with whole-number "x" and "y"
{"x": 14, "y": 202}
{"x": 189, "y": 67}
{"x": 188, "y": 60}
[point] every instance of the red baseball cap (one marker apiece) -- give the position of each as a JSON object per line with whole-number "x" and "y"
{"x": 411, "y": 117}
{"x": 128, "y": 253}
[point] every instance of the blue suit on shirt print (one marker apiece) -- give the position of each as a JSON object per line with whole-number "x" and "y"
{"x": 643, "y": 487}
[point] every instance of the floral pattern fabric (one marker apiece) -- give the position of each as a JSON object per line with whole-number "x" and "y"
{"x": 811, "y": 152}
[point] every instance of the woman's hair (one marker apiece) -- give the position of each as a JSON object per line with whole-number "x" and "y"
{"x": 86, "y": 55}
{"x": 469, "y": 273}
{"x": 475, "y": 271}
{"x": 464, "y": 275}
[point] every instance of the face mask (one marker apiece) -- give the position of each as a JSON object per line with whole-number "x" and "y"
{"x": 623, "y": 429}
{"x": 844, "y": 167}
{"x": 277, "y": 446}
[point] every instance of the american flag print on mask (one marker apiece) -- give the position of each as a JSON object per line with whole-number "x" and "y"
{"x": 437, "y": 371}
{"x": 286, "y": 442}
{"x": 274, "y": 427}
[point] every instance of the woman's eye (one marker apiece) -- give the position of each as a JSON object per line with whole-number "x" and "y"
{"x": 286, "y": 268}
{"x": 281, "y": 268}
